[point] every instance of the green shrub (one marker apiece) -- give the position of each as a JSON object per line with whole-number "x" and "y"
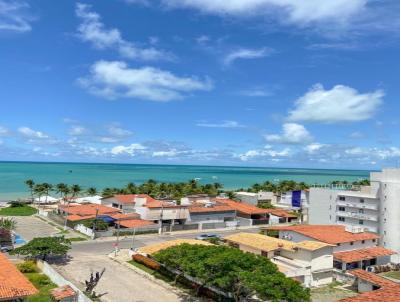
{"x": 27, "y": 267}
{"x": 17, "y": 204}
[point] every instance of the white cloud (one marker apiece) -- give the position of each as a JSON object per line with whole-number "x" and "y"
{"x": 223, "y": 124}
{"x": 4, "y": 131}
{"x": 314, "y": 147}
{"x": 267, "y": 152}
{"x": 77, "y": 130}
{"x": 93, "y": 30}
{"x": 32, "y": 134}
{"x": 170, "y": 153}
{"x": 131, "y": 150}
{"x": 118, "y": 131}
{"x": 13, "y": 16}
{"x": 340, "y": 104}
{"x": 114, "y": 79}
{"x": 245, "y": 53}
{"x": 256, "y": 92}
{"x": 287, "y": 11}
{"x": 292, "y": 133}
{"x": 356, "y": 135}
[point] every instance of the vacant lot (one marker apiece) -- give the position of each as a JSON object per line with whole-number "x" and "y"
{"x": 29, "y": 227}
{"x": 18, "y": 211}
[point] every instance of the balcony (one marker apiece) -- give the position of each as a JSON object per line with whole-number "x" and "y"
{"x": 356, "y": 215}
{"x": 357, "y": 205}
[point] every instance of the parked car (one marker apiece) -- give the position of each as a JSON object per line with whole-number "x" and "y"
{"x": 208, "y": 236}
{"x": 6, "y": 248}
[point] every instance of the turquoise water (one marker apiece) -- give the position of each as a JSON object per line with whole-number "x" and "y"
{"x": 13, "y": 175}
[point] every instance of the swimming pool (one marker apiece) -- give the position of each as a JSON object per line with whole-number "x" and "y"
{"x": 18, "y": 239}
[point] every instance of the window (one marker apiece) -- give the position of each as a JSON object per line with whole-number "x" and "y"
{"x": 342, "y": 219}
{"x": 373, "y": 240}
{"x": 362, "y": 241}
{"x": 352, "y": 243}
{"x": 338, "y": 244}
{"x": 361, "y": 200}
{"x": 342, "y": 198}
{"x": 361, "y": 211}
{"x": 384, "y": 232}
{"x": 361, "y": 222}
{"x": 342, "y": 209}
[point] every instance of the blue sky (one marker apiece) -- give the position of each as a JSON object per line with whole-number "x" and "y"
{"x": 256, "y": 82}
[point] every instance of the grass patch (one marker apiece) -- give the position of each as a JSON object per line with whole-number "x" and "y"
{"x": 77, "y": 239}
{"x": 148, "y": 270}
{"x": 42, "y": 283}
{"x": 392, "y": 274}
{"x": 18, "y": 211}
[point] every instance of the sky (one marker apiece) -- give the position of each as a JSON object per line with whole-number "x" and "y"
{"x": 284, "y": 83}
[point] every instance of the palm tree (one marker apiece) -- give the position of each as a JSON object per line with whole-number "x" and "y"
{"x": 47, "y": 188}
{"x": 62, "y": 189}
{"x": 91, "y": 191}
{"x": 30, "y": 183}
{"x": 75, "y": 190}
{"x": 39, "y": 190}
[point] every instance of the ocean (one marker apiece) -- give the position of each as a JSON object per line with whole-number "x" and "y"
{"x": 13, "y": 175}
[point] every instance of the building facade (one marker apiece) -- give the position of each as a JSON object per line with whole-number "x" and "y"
{"x": 375, "y": 208}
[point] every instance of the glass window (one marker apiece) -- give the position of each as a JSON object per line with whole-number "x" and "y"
{"x": 352, "y": 243}
{"x": 361, "y": 222}
{"x": 342, "y": 198}
{"x": 342, "y": 209}
{"x": 361, "y": 211}
{"x": 341, "y": 219}
{"x": 362, "y": 200}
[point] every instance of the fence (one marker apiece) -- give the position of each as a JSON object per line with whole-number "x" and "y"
{"x": 60, "y": 280}
{"x": 84, "y": 230}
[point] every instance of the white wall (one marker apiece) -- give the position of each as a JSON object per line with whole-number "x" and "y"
{"x": 322, "y": 206}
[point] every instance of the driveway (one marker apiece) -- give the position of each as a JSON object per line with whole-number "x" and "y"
{"x": 29, "y": 227}
{"x": 119, "y": 282}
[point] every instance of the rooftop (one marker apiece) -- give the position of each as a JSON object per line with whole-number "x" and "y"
{"x": 281, "y": 213}
{"x": 154, "y": 248}
{"x": 389, "y": 291}
{"x": 332, "y": 234}
{"x": 242, "y": 207}
{"x": 88, "y": 209}
{"x": 203, "y": 208}
{"x": 134, "y": 223}
{"x": 150, "y": 201}
{"x": 13, "y": 284}
{"x": 362, "y": 254}
{"x": 267, "y": 243}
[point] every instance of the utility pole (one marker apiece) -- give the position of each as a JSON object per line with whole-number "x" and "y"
{"x": 133, "y": 238}
{"x": 117, "y": 242}
{"x": 161, "y": 217}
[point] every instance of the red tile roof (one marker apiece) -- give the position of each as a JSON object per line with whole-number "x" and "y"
{"x": 78, "y": 218}
{"x": 362, "y": 254}
{"x": 332, "y": 234}
{"x": 13, "y": 284}
{"x": 202, "y": 208}
{"x": 242, "y": 207}
{"x": 150, "y": 201}
{"x": 135, "y": 223}
{"x": 120, "y": 216}
{"x": 281, "y": 213}
{"x": 389, "y": 291}
{"x": 62, "y": 292}
{"x": 89, "y": 209}
{"x": 372, "y": 278}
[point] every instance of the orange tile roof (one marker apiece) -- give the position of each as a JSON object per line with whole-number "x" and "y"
{"x": 13, "y": 284}
{"x": 384, "y": 294}
{"x": 120, "y": 216}
{"x": 332, "y": 234}
{"x": 389, "y": 291}
{"x": 89, "y": 209}
{"x": 202, "y": 208}
{"x": 362, "y": 254}
{"x": 372, "y": 278}
{"x": 62, "y": 292}
{"x": 150, "y": 201}
{"x": 242, "y": 207}
{"x": 281, "y": 213}
{"x": 135, "y": 223}
{"x": 78, "y": 218}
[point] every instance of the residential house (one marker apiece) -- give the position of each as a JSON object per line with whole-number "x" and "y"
{"x": 77, "y": 213}
{"x": 149, "y": 208}
{"x": 211, "y": 215}
{"x": 351, "y": 249}
{"x": 96, "y": 199}
{"x": 309, "y": 262}
{"x": 374, "y": 288}
{"x": 256, "y": 198}
{"x": 64, "y": 294}
{"x": 14, "y": 286}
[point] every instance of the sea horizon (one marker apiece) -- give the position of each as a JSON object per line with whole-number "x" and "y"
{"x": 101, "y": 175}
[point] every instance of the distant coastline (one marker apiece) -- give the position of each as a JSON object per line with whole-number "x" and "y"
{"x": 101, "y": 175}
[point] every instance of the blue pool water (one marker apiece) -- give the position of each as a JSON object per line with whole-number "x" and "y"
{"x": 19, "y": 240}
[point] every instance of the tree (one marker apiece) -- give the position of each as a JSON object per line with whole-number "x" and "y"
{"x": 30, "y": 183}
{"x": 63, "y": 190}
{"x": 39, "y": 191}
{"x": 231, "y": 270}
{"x": 91, "y": 191}
{"x": 47, "y": 188}
{"x": 43, "y": 247}
{"x": 75, "y": 190}
{"x": 8, "y": 224}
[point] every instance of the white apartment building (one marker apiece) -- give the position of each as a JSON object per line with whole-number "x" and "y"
{"x": 375, "y": 208}
{"x": 256, "y": 198}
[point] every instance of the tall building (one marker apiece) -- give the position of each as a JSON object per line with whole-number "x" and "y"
{"x": 374, "y": 208}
